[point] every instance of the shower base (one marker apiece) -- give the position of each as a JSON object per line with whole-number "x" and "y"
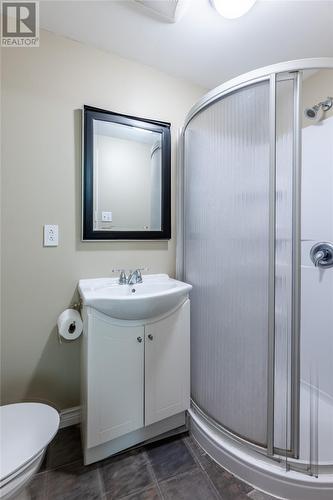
{"x": 323, "y": 423}
{"x": 256, "y": 468}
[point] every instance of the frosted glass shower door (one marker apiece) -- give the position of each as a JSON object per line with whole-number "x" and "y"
{"x": 226, "y": 258}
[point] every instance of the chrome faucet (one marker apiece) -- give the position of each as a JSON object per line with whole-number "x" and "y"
{"x": 134, "y": 277}
{"x": 122, "y": 276}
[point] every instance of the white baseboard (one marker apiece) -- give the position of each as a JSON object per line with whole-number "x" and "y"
{"x": 70, "y": 416}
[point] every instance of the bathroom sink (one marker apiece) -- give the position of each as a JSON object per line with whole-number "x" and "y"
{"x": 157, "y": 295}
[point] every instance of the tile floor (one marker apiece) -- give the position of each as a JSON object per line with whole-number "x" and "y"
{"x": 173, "y": 469}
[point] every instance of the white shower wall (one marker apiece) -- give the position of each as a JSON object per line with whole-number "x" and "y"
{"x": 317, "y": 294}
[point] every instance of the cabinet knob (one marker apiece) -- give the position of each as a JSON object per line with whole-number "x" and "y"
{"x": 139, "y": 339}
{"x": 150, "y": 337}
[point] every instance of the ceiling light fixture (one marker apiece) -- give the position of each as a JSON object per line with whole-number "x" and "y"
{"x": 231, "y": 9}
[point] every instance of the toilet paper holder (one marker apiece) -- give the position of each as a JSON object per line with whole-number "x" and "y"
{"x": 72, "y": 326}
{"x": 73, "y": 329}
{"x": 77, "y": 305}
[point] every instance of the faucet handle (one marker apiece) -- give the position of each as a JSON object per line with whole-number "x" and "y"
{"x": 318, "y": 257}
{"x": 322, "y": 254}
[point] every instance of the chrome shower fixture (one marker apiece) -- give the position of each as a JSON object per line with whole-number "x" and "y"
{"x": 317, "y": 111}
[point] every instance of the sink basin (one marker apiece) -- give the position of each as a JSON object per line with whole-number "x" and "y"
{"x": 157, "y": 295}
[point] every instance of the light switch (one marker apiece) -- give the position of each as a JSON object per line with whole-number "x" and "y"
{"x": 51, "y": 235}
{"x": 107, "y": 216}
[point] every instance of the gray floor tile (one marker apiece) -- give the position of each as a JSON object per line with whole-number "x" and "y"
{"x": 43, "y": 465}
{"x": 169, "y": 458}
{"x": 229, "y": 487}
{"x": 149, "y": 494}
{"x": 192, "y": 485}
{"x": 65, "y": 448}
{"x": 207, "y": 462}
{"x": 196, "y": 449}
{"x": 37, "y": 487}
{"x": 184, "y": 471}
{"x": 73, "y": 482}
{"x": 200, "y": 454}
{"x": 126, "y": 474}
{"x": 258, "y": 495}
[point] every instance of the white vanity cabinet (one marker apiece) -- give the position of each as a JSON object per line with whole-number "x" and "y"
{"x": 167, "y": 365}
{"x": 136, "y": 379}
{"x": 115, "y": 379}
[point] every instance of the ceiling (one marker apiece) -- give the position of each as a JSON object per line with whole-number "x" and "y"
{"x": 201, "y": 47}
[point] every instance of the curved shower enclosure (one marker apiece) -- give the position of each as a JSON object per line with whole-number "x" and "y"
{"x": 255, "y": 241}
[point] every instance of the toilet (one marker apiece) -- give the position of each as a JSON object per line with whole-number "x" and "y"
{"x": 25, "y": 431}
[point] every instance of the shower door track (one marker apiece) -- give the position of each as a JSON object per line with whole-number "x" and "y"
{"x": 279, "y": 456}
{"x": 262, "y": 450}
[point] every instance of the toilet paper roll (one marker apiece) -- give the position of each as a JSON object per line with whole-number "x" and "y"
{"x": 70, "y": 324}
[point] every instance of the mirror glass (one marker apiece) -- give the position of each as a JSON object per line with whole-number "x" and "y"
{"x": 127, "y": 178}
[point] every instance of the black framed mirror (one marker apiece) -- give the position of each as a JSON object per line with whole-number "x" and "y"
{"x": 126, "y": 177}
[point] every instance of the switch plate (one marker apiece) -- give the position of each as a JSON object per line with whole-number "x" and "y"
{"x": 107, "y": 216}
{"x": 51, "y": 235}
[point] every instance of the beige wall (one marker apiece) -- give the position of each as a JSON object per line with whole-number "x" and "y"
{"x": 42, "y": 89}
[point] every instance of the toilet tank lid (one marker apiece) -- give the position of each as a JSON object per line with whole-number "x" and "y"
{"x": 25, "y": 430}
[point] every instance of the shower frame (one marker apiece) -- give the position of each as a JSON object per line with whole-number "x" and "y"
{"x": 268, "y": 74}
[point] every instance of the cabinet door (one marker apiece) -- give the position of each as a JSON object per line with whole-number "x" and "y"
{"x": 115, "y": 380}
{"x": 167, "y": 366}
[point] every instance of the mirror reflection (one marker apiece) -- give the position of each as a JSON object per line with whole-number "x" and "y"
{"x": 127, "y": 178}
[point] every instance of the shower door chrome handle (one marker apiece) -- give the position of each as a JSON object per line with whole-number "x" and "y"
{"x": 322, "y": 255}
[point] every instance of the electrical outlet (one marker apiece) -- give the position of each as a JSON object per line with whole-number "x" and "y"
{"x": 51, "y": 235}
{"x": 107, "y": 216}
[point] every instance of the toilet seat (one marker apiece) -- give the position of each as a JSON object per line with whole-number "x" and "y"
{"x": 14, "y": 484}
{"x": 25, "y": 431}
